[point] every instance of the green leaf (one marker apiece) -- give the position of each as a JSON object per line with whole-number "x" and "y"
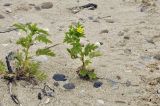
{"x": 75, "y": 50}
{"x": 89, "y": 48}
{"x": 83, "y": 73}
{"x": 19, "y": 58}
{"x": 74, "y": 34}
{"x": 87, "y": 62}
{"x": 95, "y": 54}
{"x": 2, "y": 67}
{"x": 20, "y": 26}
{"x": 42, "y": 31}
{"x": 45, "y": 51}
{"x": 43, "y": 38}
{"x": 24, "y": 41}
{"x": 92, "y": 75}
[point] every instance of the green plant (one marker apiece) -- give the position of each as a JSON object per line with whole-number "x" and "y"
{"x": 25, "y": 66}
{"x": 2, "y": 67}
{"x": 84, "y": 52}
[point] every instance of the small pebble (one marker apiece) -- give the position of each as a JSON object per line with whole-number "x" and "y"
{"x": 38, "y": 8}
{"x": 90, "y": 18}
{"x": 5, "y": 45}
{"x": 8, "y": 10}
{"x": 109, "y": 20}
{"x": 69, "y": 86}
{"x": 56, "y": 84}
{"x": 59, "y": 77}
{"x": 97, "y": 84}
{"x": 157, "y": 57}
{"x": 120, "y": 102}
{"x": 126, "y": 37}
{"x": 46, "y": 5}
{"x": 7, "y": 4}
{"x": 158, "y": 91}
{"x": 47, "y": 101}
{"x": 90, "y": 6}
{"x": 39, "y": 96}
{"x": 128, "y": 83}
{"x": 118, "y": 77}
{"x": 127, "y": 51}
{"x": 1, "y": 16}
{"x": 31, "y": 4}
{"x": 104, "y": 31}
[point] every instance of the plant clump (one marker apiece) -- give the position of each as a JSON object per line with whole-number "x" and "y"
{"x": 81, "y": 51}
{"x": 25, "y": 67}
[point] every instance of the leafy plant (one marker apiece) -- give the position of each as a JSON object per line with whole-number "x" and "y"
{"x": 2, "y": 68}
{"x": 25, "y": 66}
{"x": 84, "y": 52}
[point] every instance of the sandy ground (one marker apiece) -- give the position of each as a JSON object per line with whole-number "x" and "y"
{"x": 128, "y": 50}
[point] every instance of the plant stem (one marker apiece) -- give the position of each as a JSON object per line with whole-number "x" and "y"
{"x": 83, "y": 63}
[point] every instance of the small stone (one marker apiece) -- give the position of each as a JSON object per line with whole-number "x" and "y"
{"x": 90, "y": 18}
{"x": 127, "y": 51}
{"x": 5, "y": 45}
{"x": 126, "y": 37}
{"x": 90, "y": 6}
{"x": 96, "y": 20}
{"x": 40, "y": 96}
{"x": 31, "y": 4}
{"x": 104, "y": 31}
{"x": 7, "y": 4}
{"x": 143, "y": 8}
{"x": 99, "y": 44}
{"x": 153, "y": 83}
{"x": 123, "y": 102}
{"x": 157, "y": 57}
{"x": 1, "y": 16}
{"x": 46, "y": 5}
{"x": 118, "y": 77}
{"x": 97, "y": 84}
{"x": 109, "y": 20}
{"x": 38, "y": 8}
{"x": 8, "y": 10}
{"x": 47, "y": 101}
{"x": 69, "y": 86}
{"x": 59, "y": 77}
{"x": 101, "y": 102}
{"x": 128, "y": 83}
{"x": 56, "y": 84}
{"x": 158, "y": 91}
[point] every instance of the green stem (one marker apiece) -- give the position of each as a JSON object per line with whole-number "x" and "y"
{"x": 83, "y": 63}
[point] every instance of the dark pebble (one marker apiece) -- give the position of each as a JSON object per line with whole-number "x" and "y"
{"x": 126, "y": 37}
{"x": 59, "y": 77}
{"x": 39, "y": 96}
{"x": 46, "y": 5}
{"x": 7, "y": 4}
{"x": 97, "y": 84}
{"x": 1, "y": 16}
{"x": 37, "y": 8}
{"x": 69, "y": 86}
{"x": 104, "y": 31}
{"x": 56, "y": 84}
{"x": 90, "y": 6}
{"x": 157, "y": 57}
{"x": 90, "y": 18}
{"x": 128, "y": 83}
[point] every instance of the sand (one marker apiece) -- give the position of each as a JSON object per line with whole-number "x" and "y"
{"x": 128, "y": 49}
